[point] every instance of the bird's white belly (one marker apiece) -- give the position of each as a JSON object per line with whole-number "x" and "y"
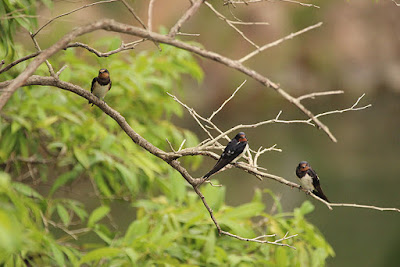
{"x": 307, "y": 182}
{"x": 101, "y": 91}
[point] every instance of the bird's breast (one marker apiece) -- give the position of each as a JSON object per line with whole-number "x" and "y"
{"x": 100, "y": 90}
{"x": 307, "y": 182}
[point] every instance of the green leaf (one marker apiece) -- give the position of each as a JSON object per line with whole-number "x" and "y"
{"x": 63, "y": 180}
{"x": 209, "y": 246}
{"x": 63, "y": 213}
{"x": 215, "y": 196}
{"x": 97, "y": 215}
{"x": 129, "y": 177}
{"x": 58, "y": 255}
{"x": 103, "y": 236}
{"x": 101, "y": 253}
{"x": 26, "y": 190}
{"x": 82, "y": 214}
{"x": 305, "y": 208}
{"x": 245, "y": 211}
{"x": 82, "y": 157}
{"x": 281, "y": 257}
{"x": 47, "y": 122}
{"x": 133, "y": 256}
{"x": 136, "y": 229}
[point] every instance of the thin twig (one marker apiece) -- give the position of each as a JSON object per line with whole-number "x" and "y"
{"x": 70, "y": 12}
{"x": 313, "y": 95}
{"x": 9, "y": 66}
{"x": 210, "y": 211}
{"x": 248, "y": 23}
{"x": 122, "y": 47}
{"x": 290, "y": 36}
{"x": 226, "y": 101}
{"x": 61, "y": 70}
{"x": 229, "y": 22}
{"x": 257, "y": 239}
{"x": 188, "y": 34}
{"x": 181, "y": 146}
{"x": 150, "y": 15}
{"x": 49, "y": 66}
{"x": 247, "y": 2}
{"x": 186, "y": 16}
{"x": 395, "y": 3}
{"x": 352, "y": 108}
{"x": 362, "y": 206}
{"x": 170, "y": 145}
{"x": 132, "y": 11}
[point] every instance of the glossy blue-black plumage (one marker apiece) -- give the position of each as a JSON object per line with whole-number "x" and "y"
{"x": 234, "y": 148}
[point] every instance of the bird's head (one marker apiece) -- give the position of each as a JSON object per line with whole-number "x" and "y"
{"x": 241, "y": 137}
{"x": 104, "y": 74}
{"x": 303, "y": 166}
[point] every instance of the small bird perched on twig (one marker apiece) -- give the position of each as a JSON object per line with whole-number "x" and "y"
{"x": 233, "y": 150}
{"x": 101, "y": 84}
{"x": 309, "y": 179}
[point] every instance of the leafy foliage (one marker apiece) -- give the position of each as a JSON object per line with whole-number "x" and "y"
{"x": 14, "y": 13}
{"x": 171, "y": 229}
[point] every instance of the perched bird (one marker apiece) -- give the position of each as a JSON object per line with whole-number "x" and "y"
{"x": 309, "y": 179}
{"x": 233, "y": 150}
{"x": 101, "y": 84}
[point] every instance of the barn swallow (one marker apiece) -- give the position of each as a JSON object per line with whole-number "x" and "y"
{"x": 101, "y": 84}
{"x": 233, "y": 150}
{"x": 309, "y": 179}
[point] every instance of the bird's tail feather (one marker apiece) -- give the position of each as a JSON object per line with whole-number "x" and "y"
{"x": 321, "y": 195}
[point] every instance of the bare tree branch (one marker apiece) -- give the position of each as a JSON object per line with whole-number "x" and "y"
{"x": 16, "y": 62}
{"x": 188, "y": 14}
{"x": 226, "y": 101}
{"x": 353, "y": 107}
{"x": 247, "y": 2}
{"x": 70, "y": 12}
{"x": 122, "y": 47}
{"x": 395, "y": 3}
{"x": 132, "y": 11}
{"x": 290, "y": 36}
{"x": 229, "y": 22}
{"x": 111, "y": 25}
{"x": 49, "y": 66}
{"x": 313, "y": 95}
{"x": 150, "y": 15}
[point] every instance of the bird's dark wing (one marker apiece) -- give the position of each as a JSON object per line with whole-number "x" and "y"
{"x": 92, "y": 87}
{"x": 231, "y": 151}
{"x": 93, "y": 82}
{"x": 109, "y": 87}
{"x": 318, "y": 190}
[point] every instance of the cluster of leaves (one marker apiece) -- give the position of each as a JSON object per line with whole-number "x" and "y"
{"x": 15, "y": 13}
{"x": 170, "y": 230}
{"x": 24, "y": 232}
{"x": 168, "y": 234}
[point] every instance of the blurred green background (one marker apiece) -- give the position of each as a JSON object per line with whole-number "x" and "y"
{"x": 356, "y": 50}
